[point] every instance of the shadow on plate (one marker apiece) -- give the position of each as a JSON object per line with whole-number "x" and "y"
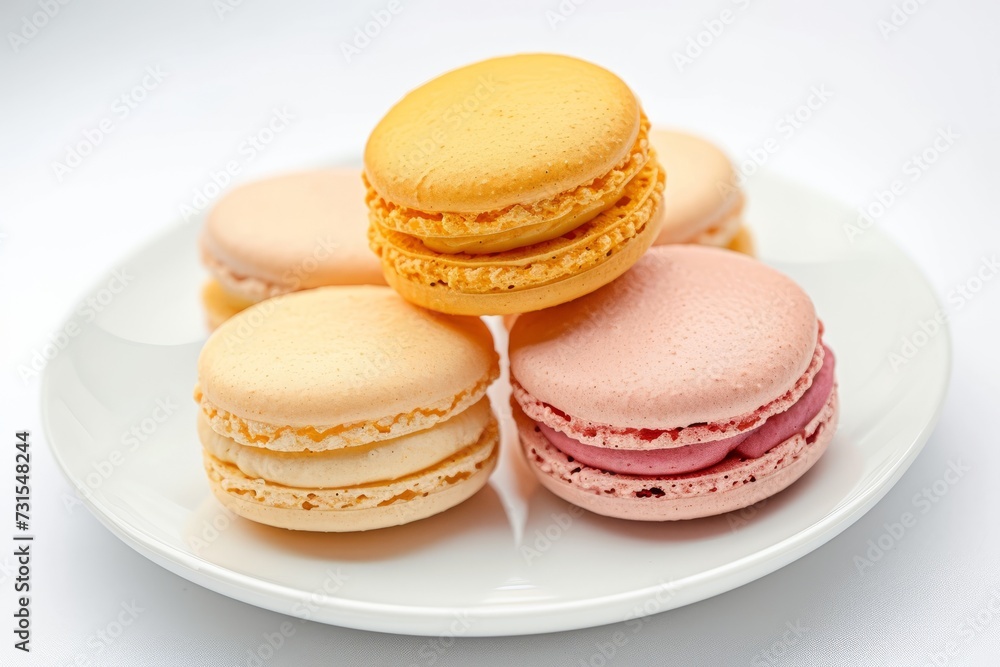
{"x": 481, "y": 515}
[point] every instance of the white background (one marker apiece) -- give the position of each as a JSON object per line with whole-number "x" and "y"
{"x": 891, "y": 93}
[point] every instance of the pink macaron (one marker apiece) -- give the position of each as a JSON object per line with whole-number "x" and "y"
{"x": 697, "y": 383}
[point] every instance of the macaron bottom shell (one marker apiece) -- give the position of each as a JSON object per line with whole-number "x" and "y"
{"x": 526, "y": 299}
{"x": 743, "y": 242}
{"x": 220, "y": 304}
{"x": 734, "y": 483}
{"x": 731, "y": 232}
{"x": 365, "y": 507}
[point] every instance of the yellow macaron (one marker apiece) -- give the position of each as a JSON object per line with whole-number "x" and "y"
{"x": 511, "y": 185}
{"x": 346, "y": 408}
{"x": 284, "y": 234}
{"x": 702, "y": 202}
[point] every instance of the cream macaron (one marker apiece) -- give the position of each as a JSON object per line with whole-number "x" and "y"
{"x": 702, "y": 202}
{"x": 346, "y": 408}
{"x": 283, "y": 234}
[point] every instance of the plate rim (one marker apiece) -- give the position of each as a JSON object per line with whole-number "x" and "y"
{"x": 513, "y": 618}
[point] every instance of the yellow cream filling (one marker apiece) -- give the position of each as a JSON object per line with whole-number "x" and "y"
{"x": 219, "y": 298}
{"x": 523, "y": 236}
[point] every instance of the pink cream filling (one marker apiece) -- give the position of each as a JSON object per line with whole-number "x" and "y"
{"x": 677, "y": 460}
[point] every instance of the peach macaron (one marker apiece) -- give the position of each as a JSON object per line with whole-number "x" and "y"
{"x": 703, "y": 202}
{"x": 696, "y": 384}
{"x": 283, "y": 234}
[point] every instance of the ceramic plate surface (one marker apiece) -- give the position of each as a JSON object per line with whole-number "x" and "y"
{"x": 514, "y": 559}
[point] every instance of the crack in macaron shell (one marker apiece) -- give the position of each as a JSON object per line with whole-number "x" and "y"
{"x": 678, "y": 460}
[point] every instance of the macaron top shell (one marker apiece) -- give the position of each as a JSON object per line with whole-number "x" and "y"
{"x": 296, "y": 231}
{"x": 689, "y": 335}
{"x": 500, "y": 132}
{"x": 700, "y": 187}
{"x": 342, "y": 355}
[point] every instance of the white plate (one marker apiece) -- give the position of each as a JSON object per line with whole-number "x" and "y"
{"x": 514, "y": 559}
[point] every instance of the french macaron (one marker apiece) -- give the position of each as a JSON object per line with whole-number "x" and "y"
{"x": 346, "y": 408}
{"x": 511, "y": 185}
{"x": 702, "y": 202}
{"x": 696, "y": 384}
{"x": 283, "y": 234}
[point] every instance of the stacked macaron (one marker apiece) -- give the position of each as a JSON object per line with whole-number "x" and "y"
{"x": 696, "y": 384}
{"x": 511, "y": 185}
{"x": 703, "y": 202}
{"x": 285, "y": 234}
{"x": 676, "y": 383}
{"x": 344, "y": 409}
